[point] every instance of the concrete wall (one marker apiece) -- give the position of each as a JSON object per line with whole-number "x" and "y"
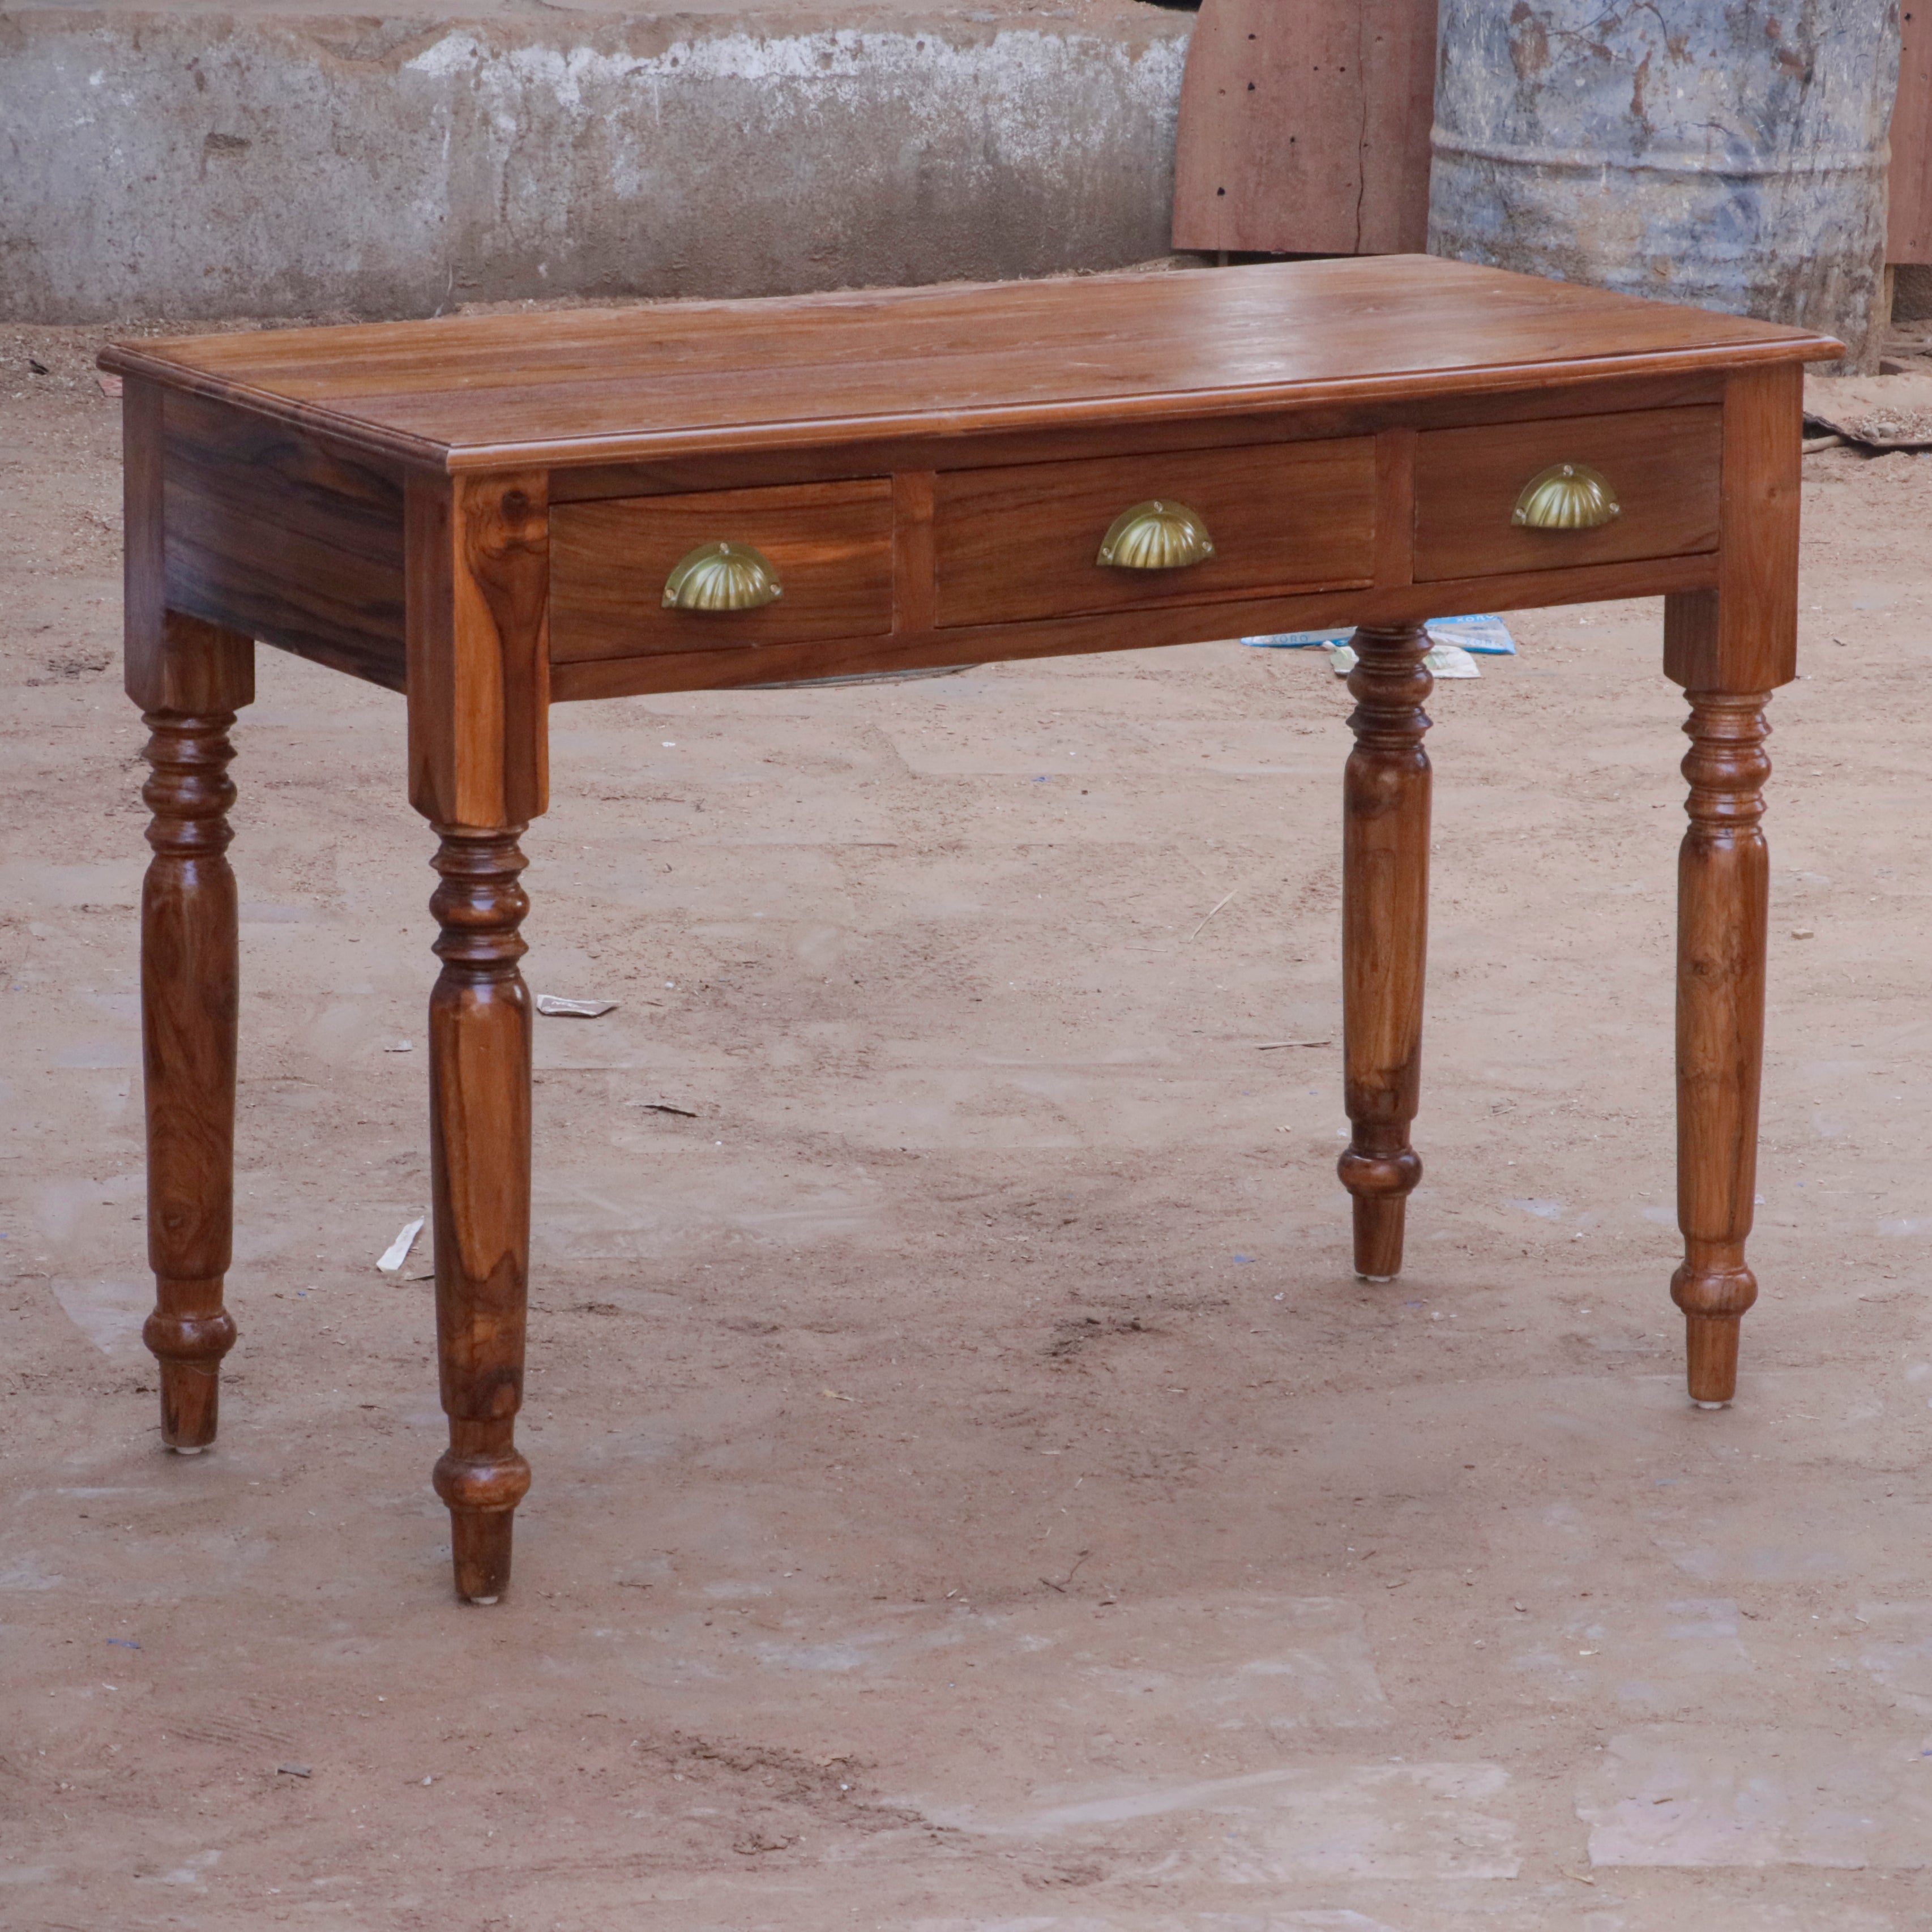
{"x": 192, "y": 163}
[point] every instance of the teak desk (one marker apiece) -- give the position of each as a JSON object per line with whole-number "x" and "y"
{"x": 490, "y": 514}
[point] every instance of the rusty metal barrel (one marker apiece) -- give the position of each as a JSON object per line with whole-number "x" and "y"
{"x": 1729, "y": 156}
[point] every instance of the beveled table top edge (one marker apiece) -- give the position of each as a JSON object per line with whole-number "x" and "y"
{"x": 570, "y": 452}
{"x": 1708, "y": 342}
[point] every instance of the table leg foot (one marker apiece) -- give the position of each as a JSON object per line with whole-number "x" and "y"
{"x": 1384, "y": 926}
{"x": 1379, "y": 1218}
{"x": 191, "y": 1405}
{"x": 1714, "y": 1303}
{"x": 481, "y": 1480}
{"x": 1712, "y": 1341}
{"x": 190, "y": 1349}
{"x": 481, "y": 1546}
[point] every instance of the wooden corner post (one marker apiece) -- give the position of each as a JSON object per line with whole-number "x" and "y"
{"x": 478, "y": 595}
{"x": 190, "y": 679}
{"x": 1729, "y": 648}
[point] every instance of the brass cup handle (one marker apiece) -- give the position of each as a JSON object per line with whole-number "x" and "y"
{"x": 1158, "y": 534}
{"x": 1567, "y": 496}
{"x": 721, "y": 576}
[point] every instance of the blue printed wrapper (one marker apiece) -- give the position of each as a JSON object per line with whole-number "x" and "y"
{"x": 1485, "y": 636}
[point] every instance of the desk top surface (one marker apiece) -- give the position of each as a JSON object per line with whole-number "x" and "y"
{"x": 567, "y": 386}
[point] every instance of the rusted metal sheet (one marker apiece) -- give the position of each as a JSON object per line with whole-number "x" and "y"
{"x": 1304, "y": 127}
{"x": 1729, "y": 156}
{"x": 1911, "y": 215}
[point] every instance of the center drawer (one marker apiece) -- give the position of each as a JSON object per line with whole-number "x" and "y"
{"x": 1024, "y": 542}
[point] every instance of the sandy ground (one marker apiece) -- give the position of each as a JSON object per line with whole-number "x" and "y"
{"x": 973, "y": 1494}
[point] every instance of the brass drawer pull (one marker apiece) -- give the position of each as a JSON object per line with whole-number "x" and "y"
{"x": 721, "y": 576}
{"x": 1156, "y": 535}
{"x": 1567, "y": 496}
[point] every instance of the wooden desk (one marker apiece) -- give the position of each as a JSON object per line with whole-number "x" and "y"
{"x": 484, "y": 514}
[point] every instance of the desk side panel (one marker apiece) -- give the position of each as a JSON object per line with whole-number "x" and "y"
{"x": 272, "y": 533}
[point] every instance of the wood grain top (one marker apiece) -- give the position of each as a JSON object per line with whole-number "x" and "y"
{"x": 590, "y": 385}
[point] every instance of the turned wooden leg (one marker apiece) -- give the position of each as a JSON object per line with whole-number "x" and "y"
{"x": 1384, "y": 932}
{"x": 479, "y": 1073}
{"x": 189, "y": 1002}
{"x": 1723, "y": 896}
{"x": 477, "y": 591}
{"x": 189, "y": 678}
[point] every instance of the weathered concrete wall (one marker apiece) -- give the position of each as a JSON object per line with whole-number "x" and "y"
{"x": 201, "y": 164}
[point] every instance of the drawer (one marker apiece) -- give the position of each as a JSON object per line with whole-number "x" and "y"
{"x": 1019, "y": 543}
{"x": 830, "y": 545}
{"x": 1662, "y": 465}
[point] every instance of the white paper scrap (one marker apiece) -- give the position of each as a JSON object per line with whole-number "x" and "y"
{"x": 580, "y": 1009}
{"x": 1443, "y": 660}
{"x": 398, "y": 1251}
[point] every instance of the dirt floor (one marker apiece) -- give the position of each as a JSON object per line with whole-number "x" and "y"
{"x": 972, "y": 1492}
